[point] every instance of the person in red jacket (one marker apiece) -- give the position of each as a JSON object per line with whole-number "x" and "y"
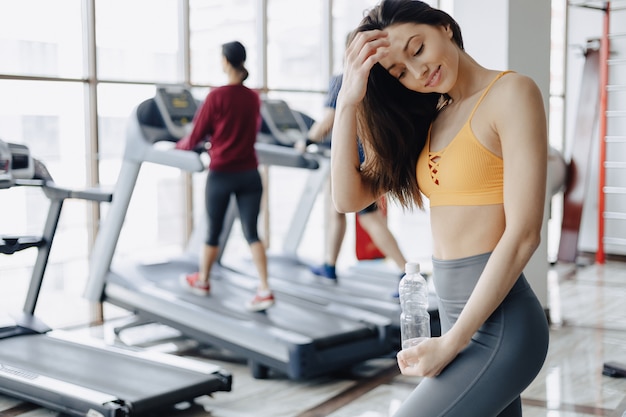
{"x": 229, "y": 120}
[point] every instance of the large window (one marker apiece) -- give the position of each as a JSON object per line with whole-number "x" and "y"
{"x": 49, "y": 118}
{"x": 139, "y": 40}
{"x": 41, "y": 38}
{"x": 215, "y": 22}
{"x": 295, "y": 52}
{"x": 73, "y": 115}
{"x": 346, "y": 16}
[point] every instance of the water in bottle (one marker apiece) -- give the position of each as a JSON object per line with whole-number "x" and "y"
{"x": 414, "y": 318}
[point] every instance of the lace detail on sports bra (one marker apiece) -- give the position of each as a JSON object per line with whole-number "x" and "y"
{"x": 433, "y": 165}
{"x": 464, "y": 172}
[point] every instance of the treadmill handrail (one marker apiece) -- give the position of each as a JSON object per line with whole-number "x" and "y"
{"x": 56, "y": 195}
{"x": 270, "y": 154}
{"x": 139, "y": 149}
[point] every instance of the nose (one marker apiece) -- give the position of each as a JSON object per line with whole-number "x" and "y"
{"x": 418, "y": 71}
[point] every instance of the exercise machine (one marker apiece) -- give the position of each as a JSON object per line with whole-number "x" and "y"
{"x": 75, "y": 375}
{"x": 300, "y": 336}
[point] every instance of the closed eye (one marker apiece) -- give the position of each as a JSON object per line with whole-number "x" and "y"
{"x": 401, "y": 74}
{"x": 396, "y": 71}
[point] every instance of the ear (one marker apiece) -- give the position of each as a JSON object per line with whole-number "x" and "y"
{"x": 448, "y": 30}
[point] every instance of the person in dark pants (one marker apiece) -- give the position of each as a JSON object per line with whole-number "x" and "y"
{"x": 370, "y": 218}
{"x": 229, "y": 120}
{"x": 435, "y": 123}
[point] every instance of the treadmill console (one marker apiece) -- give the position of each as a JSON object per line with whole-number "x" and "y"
{"x": 281, "y": 125}
{"x": 15, "y": 163}
{"x": 6, "y": 179}
{"x": 177, "y": 107}
{"x": 285, "y": 125}
{"x": 22, "y": 164}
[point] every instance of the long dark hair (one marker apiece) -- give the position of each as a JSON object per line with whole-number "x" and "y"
{"x": 393, "y": 121}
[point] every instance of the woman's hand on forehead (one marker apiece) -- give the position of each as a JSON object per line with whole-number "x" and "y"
{"x": 365, "y": 50}
{"x": 371, "y": 41}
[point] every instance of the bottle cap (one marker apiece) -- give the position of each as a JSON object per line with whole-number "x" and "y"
{"x": 411, "y": 268}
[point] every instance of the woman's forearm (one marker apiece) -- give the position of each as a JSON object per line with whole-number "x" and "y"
{"x": 505, "y": 264}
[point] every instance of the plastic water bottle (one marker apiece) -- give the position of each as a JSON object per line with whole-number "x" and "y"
{"x": 414, "y": 319}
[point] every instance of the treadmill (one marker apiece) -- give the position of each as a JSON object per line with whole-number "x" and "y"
{"x": 367, "y": 286}
{"x": 82, "y": 376}
{"x": 300, "y": 336}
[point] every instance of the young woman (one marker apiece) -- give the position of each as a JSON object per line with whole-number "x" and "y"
{"x": 474, "y": 142}
{"x": 229, "y": 120}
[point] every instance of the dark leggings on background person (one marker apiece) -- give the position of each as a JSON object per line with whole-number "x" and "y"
{"x": 247, "y": 187}
{"x": 502, "y": 359}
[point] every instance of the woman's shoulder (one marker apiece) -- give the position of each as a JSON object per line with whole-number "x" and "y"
{"x": 232, "y": 90}
{"x": 513, "y": 83}
{"x": 230, "y": 87}
{"x": 216, "y": 92}
{"x": 510, "y": 90}
{"x": 244, "y": 90}
{"x": 516, "y": 99}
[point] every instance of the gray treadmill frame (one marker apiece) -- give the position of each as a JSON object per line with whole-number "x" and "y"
{"x": 294, "y": 354}
{"x": 47, "y": 390}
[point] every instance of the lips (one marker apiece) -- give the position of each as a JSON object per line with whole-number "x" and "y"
{"x": 434, "y": 78}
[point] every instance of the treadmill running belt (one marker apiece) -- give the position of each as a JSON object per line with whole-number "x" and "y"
{"x": 137, "y": 382}
{"x": 228, "y": 297}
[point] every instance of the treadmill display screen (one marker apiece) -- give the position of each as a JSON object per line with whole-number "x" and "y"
{"x": 180, "y": 104}
{"x": 281, "y": 115}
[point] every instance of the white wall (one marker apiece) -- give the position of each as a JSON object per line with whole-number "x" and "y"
{"x": 484, "y": 24}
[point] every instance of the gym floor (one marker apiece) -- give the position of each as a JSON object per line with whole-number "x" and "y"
{"x": 589, "y": 328}
{"x": 588, "y": 317}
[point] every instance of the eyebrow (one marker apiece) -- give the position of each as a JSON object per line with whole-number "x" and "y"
{"x": 406, "y": 46}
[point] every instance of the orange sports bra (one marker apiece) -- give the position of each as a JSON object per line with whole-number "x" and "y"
{"x": 465, "y": 172}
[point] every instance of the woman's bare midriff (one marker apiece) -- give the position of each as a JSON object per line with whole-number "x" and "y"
{"x": 462, "y": 231}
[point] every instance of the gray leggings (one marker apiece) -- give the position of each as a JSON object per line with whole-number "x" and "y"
{"x": 503, "y": 358}
{"x": 247, "y": 188}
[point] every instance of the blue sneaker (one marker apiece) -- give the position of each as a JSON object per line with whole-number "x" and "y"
{"x": 325, "y": 271}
